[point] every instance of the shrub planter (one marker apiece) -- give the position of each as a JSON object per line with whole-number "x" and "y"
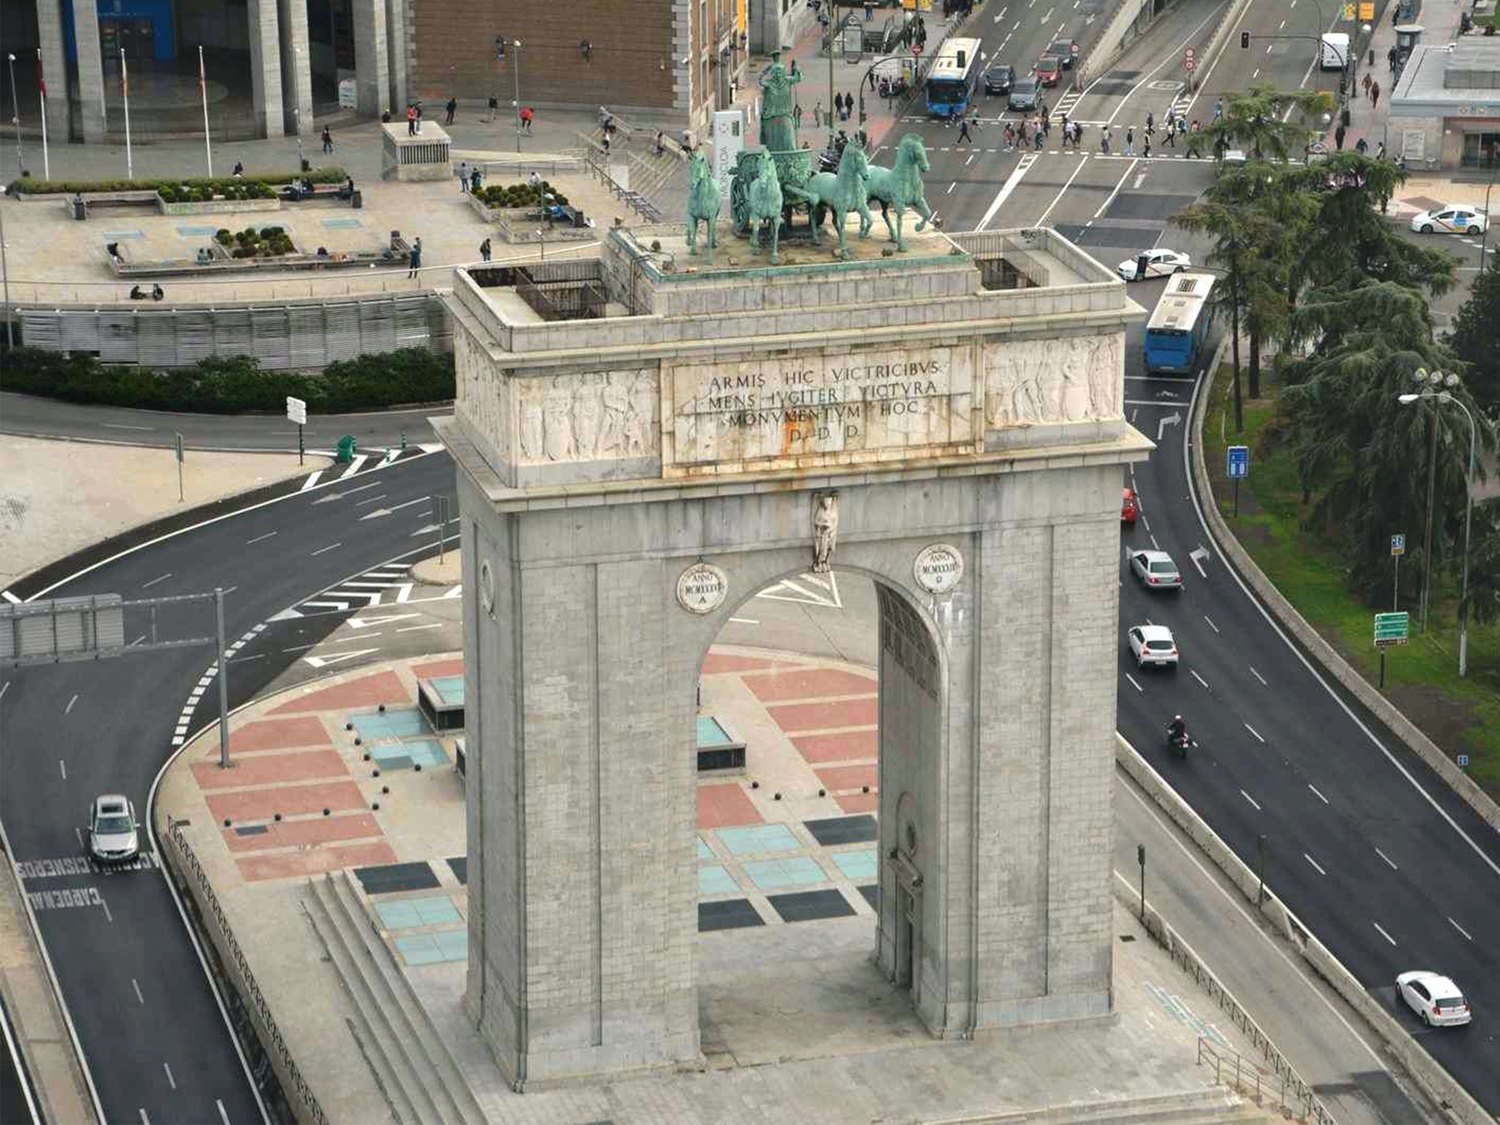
{"x": 217, "y": 206}
{"x": 519, "y": 224}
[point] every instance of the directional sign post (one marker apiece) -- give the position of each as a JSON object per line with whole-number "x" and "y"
{"x": 177, "y": 438}
{"x": 1237, "y": 469}
{"x": 296, "y": 411}
{"x": 1390, "y": 629}
{"x": 1398, "y": 548}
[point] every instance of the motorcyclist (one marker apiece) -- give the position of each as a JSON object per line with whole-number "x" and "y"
{"x": 1177, "y": 730}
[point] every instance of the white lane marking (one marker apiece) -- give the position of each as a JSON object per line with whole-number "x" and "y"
{"x": 311, "y": 480}
{"x": 1459, "y": 928}
{"x": 744, "y": 621}
{"x": 63, "y": 768}
{"x": 1383, "y": 934}
{"x": 1258, "y": 676}
{"x": 1210, "y": 620}
{"x": 144, "y": 1119}
{"x": 1155, "y": 544}
{"x": 417, "y": 628}
{"x": 1388, "y": 861}
{"x": 1255, "y": 732}
{"x": 354, "y": 466}
{"x": 1006, "y": 189}
{"x": 1056, "y": 199}
{"x": 1281, "y": 26}
{"x": 1194, "y": 673}
{"x": 79, "y": 833}
{"x": 135, "y": 984}
{"x": 1133, "y": 684}
{"x": 123, "y": 426}
{"x": 969, "y": 161}
{"x": 11, "y": 598}
{"x": 68, "y": 709}
{"x": 1253, "y": 802}
{"x": 1144, "y": 521}
{"x": 154, "y": 581}
{"x": 223, "y": 1113}
{"x": 298, "y": 648}
{"x": 5, "y": 687}
{"x": 1316, "y": 794}
{"x": 371, "y": 499}
{"x": 259, "y": 538}
{"x": 172, "y": 1081}
{"x": 1048, "y": 16}
{"x": 1316, "y": 867}
{"x": 951, "y": 186}
{"x": 1111, "y": 197}
{"x": 330, "y": 547}
{"x": 108, "y": 917}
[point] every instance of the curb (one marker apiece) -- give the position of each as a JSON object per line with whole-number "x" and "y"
{"x": 1311, "y": 641}
{"x": 1442, "y": 1088}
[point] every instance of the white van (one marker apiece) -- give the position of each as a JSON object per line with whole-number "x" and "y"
{"x": 1335, "y": 53}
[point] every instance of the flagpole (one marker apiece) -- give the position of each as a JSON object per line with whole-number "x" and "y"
{"x": 15, "y": 114}
{"x": 208, "y": 145}
{"x": 41, "y": 85}
{"x": 125, "y": 97}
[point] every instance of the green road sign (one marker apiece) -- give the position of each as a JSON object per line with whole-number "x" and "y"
{"x": 1390, "y": 629}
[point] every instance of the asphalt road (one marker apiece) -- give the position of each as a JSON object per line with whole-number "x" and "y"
{"x": 150, "y": 1026}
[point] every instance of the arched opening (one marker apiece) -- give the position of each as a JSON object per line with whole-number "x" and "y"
{"x": 820, "y": 719}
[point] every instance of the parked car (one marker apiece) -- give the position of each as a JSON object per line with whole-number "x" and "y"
{"x": 114, "y": 835}
{"x": 1157, "y": 263}
{"x": 1452, "y": 218}
{"x": 1156, "y": 570}
{"x": 1066, "y": 50}
{"x": 1152, "y": 644}
{"x": 1048, "y": 70}
{"x": 1434, "y": 998}
{"x": 998, "y": 79}
{"x": 1022, "y": 94}
{"x": 1129, "y": 506}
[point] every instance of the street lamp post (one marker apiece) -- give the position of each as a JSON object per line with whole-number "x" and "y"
{"x": 1435, "y": 379}
{"x": 1484, "y": 235}
{"x": 15, "y": 114}
{"x": 297, "y": 111}
{"x": 10, "y": 332}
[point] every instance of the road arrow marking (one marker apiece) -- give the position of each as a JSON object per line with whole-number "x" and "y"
{"x": 1198, "y": 554}
{"x": 397, "y": 508}
{"x": 1169, "y": 420}
{"x": 336, "y": 658}
{"x": 370, "y": 622}
{"x": 427, "y": 530}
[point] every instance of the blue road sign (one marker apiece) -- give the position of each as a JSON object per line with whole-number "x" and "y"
{"x": 1463, "y": 761}
{"x": 1398, "y": 544}
{"x": 1239, "y": 462}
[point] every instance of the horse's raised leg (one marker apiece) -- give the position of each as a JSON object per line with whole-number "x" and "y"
{"x": 890, "y": 228}
{"x": 919, "y": 205}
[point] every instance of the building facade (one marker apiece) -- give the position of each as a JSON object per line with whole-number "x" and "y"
{"x": 1445, "y": 110}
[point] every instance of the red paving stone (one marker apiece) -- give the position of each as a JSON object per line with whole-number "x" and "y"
{"x": 859, "y": 802}
{"x": 288, "y": 865}
{"x": 273, "y": 734}
{"x": 288, "y": 800}
{"x": 453, "y": 667}
{"x": 301, "y": 833}
{"x": 718, "y": 663}
{"x": 367, "y": 691}
{"x": 826, "y": 716}
{"x": 267, "y": 769}
{"x": 807, "y": 683}
{"x": 849, "y": 777}
{"x": 846, "y": 746}
{"x": 725, "y": 805}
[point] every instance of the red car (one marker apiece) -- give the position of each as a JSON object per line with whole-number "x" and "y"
{"x": 1048, "y": 70}
{"x": 1129, "y": 509}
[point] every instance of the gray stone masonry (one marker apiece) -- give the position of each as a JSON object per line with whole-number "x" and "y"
{"x": 90, "y": 70}
{"x": 372, "y": 58}
{"x": 265, "y": 66}
{"x": 296, "y": 68}
{"x": 54, "y": 66}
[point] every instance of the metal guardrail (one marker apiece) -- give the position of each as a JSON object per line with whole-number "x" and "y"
{"x": 598, "y": 163}
{"x": 1231, "y": 1070}
{"x": 205, "y": 896}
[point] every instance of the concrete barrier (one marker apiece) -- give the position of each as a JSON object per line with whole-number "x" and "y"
{"x": 1312, "y": 642}
{"x": 1440, "y": 1086}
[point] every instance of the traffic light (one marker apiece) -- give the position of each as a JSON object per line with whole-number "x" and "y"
{"x": 1244, "y": 40}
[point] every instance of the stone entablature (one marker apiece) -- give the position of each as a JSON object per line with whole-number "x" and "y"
{"x": 875, "y": 361}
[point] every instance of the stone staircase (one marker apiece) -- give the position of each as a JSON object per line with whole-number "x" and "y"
{"x": 414, "y": 1069}
{"x": 1213, "y": 1105}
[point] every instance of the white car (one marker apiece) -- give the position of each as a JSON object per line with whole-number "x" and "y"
{"x": 114, "y": 836}
{"x": 1158, "y": 263}
{"x": 1434, "y": 998}
{"x": 1156, "y": 570}
{"x": 1455, "y": 218}
{"x": 1153, "y": 644}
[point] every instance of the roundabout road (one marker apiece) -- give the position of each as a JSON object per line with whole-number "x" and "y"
{"x": 151, "y": 1027}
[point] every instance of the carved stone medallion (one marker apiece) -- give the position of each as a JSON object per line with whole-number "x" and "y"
{"x": 938, "y": 568}
{"x": 701, "y": 588}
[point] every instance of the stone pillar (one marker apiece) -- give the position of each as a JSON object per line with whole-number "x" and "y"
{"x": 296, "y": 66}
{"x": 396, "y": 43}
{"x": 90, "y": 69}
{"x": 371, "y": 57}
{"x": 265, "y": 67}
{"x": 49, "y": 28}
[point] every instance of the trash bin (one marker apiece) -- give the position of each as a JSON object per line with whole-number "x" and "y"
{"x": 357, "y": 200}
{"x": 80, "y": 209}
{"x": 345, "y": 452}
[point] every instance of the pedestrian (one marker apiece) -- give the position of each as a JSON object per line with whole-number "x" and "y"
{"x": 1219, "y": 109}
{"x": 535, "y": 180}
{"x": 848, "y": 107}
{"x": 484, "y": 250}
{"x": 1374, "y": 94}
{"x": 1150, "y": 123}
{"x": 604, "y": 141}
{"x": 1390, "y": 58}
{"x": 327, "y": 141}
{"x": 463, "y": 177}
{"x": 870, "y": 77}
{"x": 1130, "y": 140}
{"x": 661, "y": 143}
{"x": 1146, "y": 147}
{"x": 1039, "y": 133}
{"x": 494, "y": 106}
{"x": 527, "y": 113}
{"x": 688, "y": 144}
{"x": 1195, "y": 139}
{"x": 1338, "y": 137}
{"x": 411, "y": 120}
{"x": 419, "y": 118}
{"x": 1104, "y": 141}
{"x": 1380, "y": 151}
{"x": 239, "y": 170}
{"x": 1010, "y": 137}
{"x": 963, "y": 132}
{"x": 1366, "y": 83}
{"x": 452, "y": 108}
{"x": 797, "y": 115}
{"x": 1021, "y": 132}
{"x": 1170, "y": 134}
{"x": 475, "y": 180}
{"x": 1361, "y": 146}
{"x": 818, "y": 115}
{"x": 1046, "y": 123}
{"x": 415, "y": 260}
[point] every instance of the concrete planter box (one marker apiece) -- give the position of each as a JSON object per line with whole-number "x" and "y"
{"x": 217, "y": 206}
{"x": 514, "y": 226}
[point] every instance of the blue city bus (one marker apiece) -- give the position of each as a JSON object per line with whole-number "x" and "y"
{"x": 953, "y": 77}
{"x": 1180, "y": 325}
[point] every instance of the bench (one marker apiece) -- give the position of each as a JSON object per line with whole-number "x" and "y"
{"x": 124, "y": 198}
{"x": 320, "y": 193}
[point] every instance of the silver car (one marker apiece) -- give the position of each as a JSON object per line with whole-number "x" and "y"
{"x": 114, "y": 835}
{"x": 1156, "y": 570}
{"x": 1022, "y": 94}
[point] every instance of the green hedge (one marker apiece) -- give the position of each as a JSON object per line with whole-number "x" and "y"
{"x": 233, "y": 385}
{"x": 520, "y": 195}
{"x": 29, "y": 186}
{"x": 183, "y": 191}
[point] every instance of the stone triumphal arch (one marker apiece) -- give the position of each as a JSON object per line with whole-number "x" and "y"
{"x": 645, "y": 439}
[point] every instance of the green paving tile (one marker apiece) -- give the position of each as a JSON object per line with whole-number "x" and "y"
{"x": 419, "y": 949}
{"x": 761, "y": 838}
{"x": 452, "y": 944}
{"x": 859, "y": 865}
{"x": 704, "y": 851}
{"x": 713, "y": 879}
{"x": 799, "y": 871}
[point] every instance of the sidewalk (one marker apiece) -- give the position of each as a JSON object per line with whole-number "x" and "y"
{"x": 1440, "y": 19}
